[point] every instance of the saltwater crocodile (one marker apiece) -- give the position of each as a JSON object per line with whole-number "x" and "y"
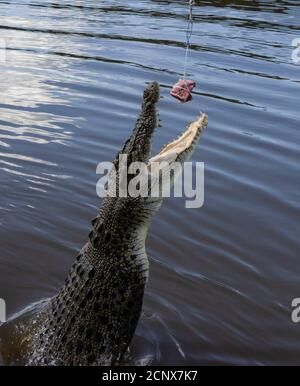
{"x": 91, "y": 321}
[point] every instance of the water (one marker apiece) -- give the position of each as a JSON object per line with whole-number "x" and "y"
{"x": 222, "y": 277}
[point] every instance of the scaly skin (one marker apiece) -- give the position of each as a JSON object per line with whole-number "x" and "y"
{"x": 93, "y": 318}
{"x": 91, "y": 321}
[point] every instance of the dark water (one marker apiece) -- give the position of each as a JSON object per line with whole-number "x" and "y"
{"x": 223, "y": 276}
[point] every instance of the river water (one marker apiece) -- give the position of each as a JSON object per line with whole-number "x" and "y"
{"x": 222, "y": 276}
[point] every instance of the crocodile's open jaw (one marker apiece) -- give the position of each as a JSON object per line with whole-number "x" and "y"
{"x": 182, "y": 147}
{"x": 139, "y": 144}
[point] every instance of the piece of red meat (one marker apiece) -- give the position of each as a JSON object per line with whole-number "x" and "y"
{"x": 182, "y": 90}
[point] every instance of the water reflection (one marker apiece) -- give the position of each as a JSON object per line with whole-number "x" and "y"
{"x": 34, "y": 111}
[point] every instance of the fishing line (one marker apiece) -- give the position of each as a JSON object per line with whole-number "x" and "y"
{"x": 189, "y": 33}
{"x": 182, "y": 90}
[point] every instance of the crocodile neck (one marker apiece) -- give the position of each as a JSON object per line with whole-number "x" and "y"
{"x": 94, "y": 316}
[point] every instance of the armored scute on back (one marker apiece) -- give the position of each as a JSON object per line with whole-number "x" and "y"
{"x": 91, "y": 321}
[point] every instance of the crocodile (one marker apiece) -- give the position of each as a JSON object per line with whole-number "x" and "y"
{"x": 92, "y": 320}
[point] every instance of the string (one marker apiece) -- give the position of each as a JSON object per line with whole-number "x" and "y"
{"x": 189, "y": 32}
